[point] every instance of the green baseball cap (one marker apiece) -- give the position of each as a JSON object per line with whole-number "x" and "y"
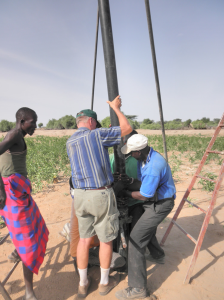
{"x": 89, "y": 113}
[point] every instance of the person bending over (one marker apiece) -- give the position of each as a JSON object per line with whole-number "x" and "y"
{"x": 20, "y": 213}
{"x": 156, "y": 177}
{"x": 135, "y": 207}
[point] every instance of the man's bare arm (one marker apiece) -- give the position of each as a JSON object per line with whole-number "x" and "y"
{"x": 2, "y": 193}
{"x": 124, "y": 124}
{"x": 11, "y": 139}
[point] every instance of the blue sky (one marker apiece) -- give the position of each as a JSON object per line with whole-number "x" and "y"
{"x": 47, "y": 49}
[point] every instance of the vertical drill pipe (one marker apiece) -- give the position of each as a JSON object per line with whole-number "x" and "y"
{"x": 95, "y": 55}
{"x": 111, "y": 71}
{"x": 156, "y": 74}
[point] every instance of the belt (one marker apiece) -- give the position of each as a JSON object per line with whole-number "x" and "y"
{"x": 101, "y": 188}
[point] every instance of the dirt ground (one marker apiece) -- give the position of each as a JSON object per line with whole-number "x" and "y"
{"x": 58, "y": 280}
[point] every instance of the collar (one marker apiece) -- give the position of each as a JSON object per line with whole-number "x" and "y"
{"x": 148, "y": 157}
{"x": 83, "y": 128}
{"x": 127, "y": 157}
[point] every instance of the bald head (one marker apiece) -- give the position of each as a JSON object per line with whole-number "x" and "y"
{"x": 24, "y": 112}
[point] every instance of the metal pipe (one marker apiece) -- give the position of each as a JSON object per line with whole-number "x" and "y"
{"x": 156, "y": 74}
{"x": 95, "y": 55}
{"x": 111, "y": 71}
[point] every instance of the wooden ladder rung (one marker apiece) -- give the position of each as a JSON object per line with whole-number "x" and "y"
{"x": 195, "y": 205}
{"x": 216, "y": 152}
{"x": 184, "y": 231}
{"x": 206, "y": 178}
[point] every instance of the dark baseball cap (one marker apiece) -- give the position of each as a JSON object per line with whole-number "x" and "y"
{"x": 89, "y": 113}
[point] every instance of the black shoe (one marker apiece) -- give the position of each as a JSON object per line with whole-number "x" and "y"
{"x": 131, "y": 293}
{"x": 160, "y": 260}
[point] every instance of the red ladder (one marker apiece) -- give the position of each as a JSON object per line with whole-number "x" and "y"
{"x": 208, "y": 213}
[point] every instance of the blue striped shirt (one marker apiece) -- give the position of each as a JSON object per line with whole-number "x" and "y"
{"x": 89, "y": 159}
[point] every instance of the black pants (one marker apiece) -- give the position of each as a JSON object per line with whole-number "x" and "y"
{"x": 140, "y": 236}
{"x": 136, "y": 211}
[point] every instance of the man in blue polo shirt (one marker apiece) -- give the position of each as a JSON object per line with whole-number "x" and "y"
{"x": 94, "y": 199}
{"x": 156, "y": 189}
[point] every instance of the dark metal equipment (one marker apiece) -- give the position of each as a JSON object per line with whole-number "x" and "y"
{"x": 112, "y": 86}
{"x": 95, "y": 55}
{"x": 156, "y": 74}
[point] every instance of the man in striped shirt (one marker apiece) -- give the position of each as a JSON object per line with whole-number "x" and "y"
{"x": 94, "y": 199}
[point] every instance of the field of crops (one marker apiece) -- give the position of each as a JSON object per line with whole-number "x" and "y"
{"x": 47, "y": 157}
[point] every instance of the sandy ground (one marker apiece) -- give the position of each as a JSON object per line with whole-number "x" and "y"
{"x": 58, "y": 280}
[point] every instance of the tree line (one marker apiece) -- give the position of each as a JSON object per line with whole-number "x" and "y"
{"x": 69, "y": 122}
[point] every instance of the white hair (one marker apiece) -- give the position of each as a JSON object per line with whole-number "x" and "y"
{"x": 83, "y": 119}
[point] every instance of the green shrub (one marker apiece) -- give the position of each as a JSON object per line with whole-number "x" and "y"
{"x": 68, "y": 122}
{"x": 198, "y": 125}
{"x": 147, "y": 121}
{"x": 134, "y": 124}
{"x": 187, "y": 123}
{"x": 106, "y": 122}
{"x": 6, "y": 125}
{"x": 153, "y": 126}
{"x": 40, "y": 125}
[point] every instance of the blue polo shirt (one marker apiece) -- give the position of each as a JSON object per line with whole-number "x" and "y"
{"x": 156, "y": 175}
{"x": 89, "y": 159}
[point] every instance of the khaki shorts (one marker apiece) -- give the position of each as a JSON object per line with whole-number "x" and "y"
{"x": 74, "y": 234}
{"x": 97, "y": 213}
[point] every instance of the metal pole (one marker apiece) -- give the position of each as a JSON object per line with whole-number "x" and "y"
{"x": 95, "y": 55}
{"x": 156, "y": 74}
{"x": 111, "y": 72}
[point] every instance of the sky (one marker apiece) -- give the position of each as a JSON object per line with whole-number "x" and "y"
{"x": 47, "y": 54}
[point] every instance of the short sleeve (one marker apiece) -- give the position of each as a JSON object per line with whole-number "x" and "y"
{"x": 110, "y": 136}
{"x": 149, "y": 185}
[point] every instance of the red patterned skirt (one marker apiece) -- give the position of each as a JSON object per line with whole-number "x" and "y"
{"x": 26, "y": 226}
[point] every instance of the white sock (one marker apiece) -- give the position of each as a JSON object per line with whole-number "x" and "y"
{"x": 104, "y": 276}
{"x": 83, "y": 277}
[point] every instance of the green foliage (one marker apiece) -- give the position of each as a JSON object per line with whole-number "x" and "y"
{"x": 147, "y": 121}
{"x": 154, "y": 126}
{"x": 134, "y": 124}
{"x": 205, "y": 120}
{"x": 208, "y": 185}
{"x": 66, "y": 122}
{"x": 131, "y": 117}
{"x": 191, "y": 200}
{"x": 216, "y": 121}
{"x": 46, "y": 159}
{"x": 2, "y": 223}
{"x": 106, "y": 122}
{"x": 195, "y": 144}
{"x": 198, "y": 125}
{"x": 187, "y": 123}
{"x": 40, "y": 125}
{"x": 173, "y": 125}
{"x": 175, "y": 163}
{"x": 177, "y": 120}
{"x": 6, "y": 125}
{"x": 51, "y": 124}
